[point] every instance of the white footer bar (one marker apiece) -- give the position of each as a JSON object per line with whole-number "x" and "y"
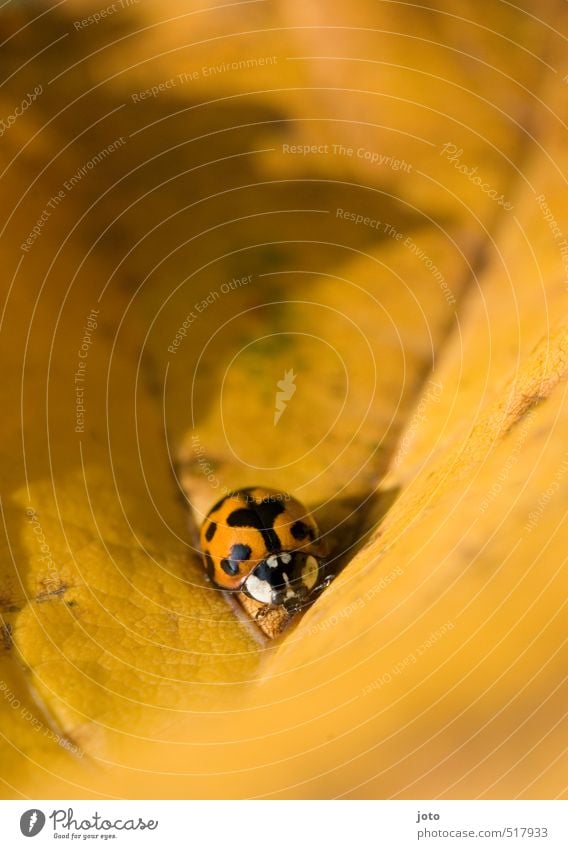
{"x": 286, "y": 824}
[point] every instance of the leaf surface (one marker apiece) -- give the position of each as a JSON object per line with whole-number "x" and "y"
{"x": 415, "y": 288}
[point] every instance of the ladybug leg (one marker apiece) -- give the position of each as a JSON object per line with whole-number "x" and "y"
{"x": 293, "y": 607}
{"x": 324, "y": 583}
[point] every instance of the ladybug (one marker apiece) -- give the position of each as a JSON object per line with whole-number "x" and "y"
{"x": 263, "y": 543}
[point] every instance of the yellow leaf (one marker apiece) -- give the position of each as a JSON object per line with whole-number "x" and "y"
{"x": 339, "y": 271}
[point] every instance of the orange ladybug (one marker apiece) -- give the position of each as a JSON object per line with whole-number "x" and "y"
{"x": 264, "y": 543}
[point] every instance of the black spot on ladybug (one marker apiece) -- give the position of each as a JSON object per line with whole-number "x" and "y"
{"x": 264, "y": 573}
{"x": 300, "y": 530}
{"x": 240, "y": 552}
{"x": 230, "y": 567}
{"x": 209, "y": 564}
{"x": 210, "y": 532}
{"x": 242, "y": 517}
{"x": 260, "y": 516}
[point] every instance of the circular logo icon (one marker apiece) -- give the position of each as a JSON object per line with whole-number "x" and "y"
{"x": 32, "y": 822}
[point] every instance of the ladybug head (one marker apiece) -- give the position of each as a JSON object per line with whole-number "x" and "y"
{"x": 285, "y": 579}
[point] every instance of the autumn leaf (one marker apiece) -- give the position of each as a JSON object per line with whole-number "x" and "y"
{"x": 320, "y": 248}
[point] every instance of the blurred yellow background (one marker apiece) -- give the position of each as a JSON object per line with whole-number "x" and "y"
{"x": 196, "y": 201}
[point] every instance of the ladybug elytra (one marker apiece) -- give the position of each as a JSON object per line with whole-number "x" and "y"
{"x": 264, "y": 543}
